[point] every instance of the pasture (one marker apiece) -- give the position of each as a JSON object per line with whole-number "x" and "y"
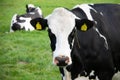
{"x": 27, "y": 55}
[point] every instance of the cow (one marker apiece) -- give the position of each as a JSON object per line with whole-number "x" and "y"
{"x": 22, "y": 22}
{"x": 85, "y": 40}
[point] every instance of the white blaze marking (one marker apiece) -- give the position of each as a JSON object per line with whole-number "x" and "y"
{"x": 61, "y": 22}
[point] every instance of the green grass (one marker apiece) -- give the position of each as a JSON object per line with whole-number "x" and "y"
{"x": 27, "y": 55}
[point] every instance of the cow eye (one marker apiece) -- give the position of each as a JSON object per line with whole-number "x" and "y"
{"x": 52, "y": 39}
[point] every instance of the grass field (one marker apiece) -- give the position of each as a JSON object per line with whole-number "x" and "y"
{"x": 27, "y": 55}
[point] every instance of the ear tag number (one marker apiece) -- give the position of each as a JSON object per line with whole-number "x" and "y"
{"x": 38, "y": 26}
{"x": 84, "y": 27}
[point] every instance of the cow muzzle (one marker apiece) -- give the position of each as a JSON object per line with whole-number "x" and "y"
{"x": 61, "y": 61}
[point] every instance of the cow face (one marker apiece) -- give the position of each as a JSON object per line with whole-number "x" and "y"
{"x": 61, "y": 29}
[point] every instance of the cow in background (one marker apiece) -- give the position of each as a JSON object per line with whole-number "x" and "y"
{"x": 22, "y": 22}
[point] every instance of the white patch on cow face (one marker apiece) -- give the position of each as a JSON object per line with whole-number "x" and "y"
{"x": 61, "y": 23}
{"x": 26, "y": 24}
{"x": 86, "y": 8}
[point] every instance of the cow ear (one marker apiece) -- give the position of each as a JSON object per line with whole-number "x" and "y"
{"x": 39, "y": 23}
{"x": 27, "y": 10}
{"x": 84, "y": 24}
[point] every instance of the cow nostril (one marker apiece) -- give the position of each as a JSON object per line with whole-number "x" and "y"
{"x": 61, "y": 61}
{"x": 67, "y": 60}
{"x": 56, "y": 61}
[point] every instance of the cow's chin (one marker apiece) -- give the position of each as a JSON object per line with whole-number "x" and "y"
{"x": 62, "y": 66}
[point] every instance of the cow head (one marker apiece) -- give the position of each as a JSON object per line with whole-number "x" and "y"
{"x": 30, "y": 8}
{"x": 34, "y": 11}
{"x": 62, "y": 25}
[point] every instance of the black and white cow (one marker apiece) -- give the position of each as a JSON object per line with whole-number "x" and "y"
{"x": 85, "y": 40}
{"x": 22, "y": 22}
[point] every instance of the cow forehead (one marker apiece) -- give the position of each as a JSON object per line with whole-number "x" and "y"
{"x": 61, "y": 21}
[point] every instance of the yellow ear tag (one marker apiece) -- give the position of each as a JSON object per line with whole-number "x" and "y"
{"x": 38, "y": 26}
{"x": 84, "y": 27}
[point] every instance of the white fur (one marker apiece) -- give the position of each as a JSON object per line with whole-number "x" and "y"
{"x": 106, "y": 44}
{"x": 67, "y": 75}
{"x": 86, "y": 8}
{"x": 86, "y": 78}
{"x": 61, "y": 22}
{"x": 31, "y": 5}
{"x": 39, "y": 11}
{"x": 26, "y": 24}
{"x": 81, "y": 78}
{"x": 92, "y": 72}
{"x": 101, "y": 13}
